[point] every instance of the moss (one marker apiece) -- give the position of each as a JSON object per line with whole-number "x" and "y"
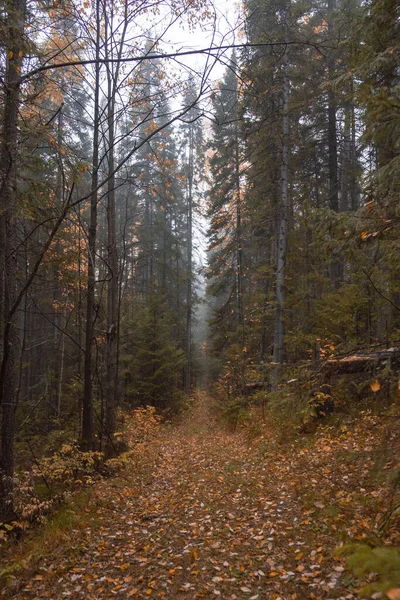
{"x": 382, "y": 564}
{"x": 8, "y": 573}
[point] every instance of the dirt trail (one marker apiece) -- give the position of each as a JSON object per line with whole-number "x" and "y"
{"x": 205, "y": 516}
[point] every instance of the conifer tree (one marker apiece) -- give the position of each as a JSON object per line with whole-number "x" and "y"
{"x": 226, "y": 268}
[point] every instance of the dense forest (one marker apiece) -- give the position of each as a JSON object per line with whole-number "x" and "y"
{"x": 164, "y": 230}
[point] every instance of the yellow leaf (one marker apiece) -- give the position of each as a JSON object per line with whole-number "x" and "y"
{"x": 10, "y": 54}
{"x": 393, "y": 594}
{"x": 273, "y": 574}
{"x": 375, "y": 386}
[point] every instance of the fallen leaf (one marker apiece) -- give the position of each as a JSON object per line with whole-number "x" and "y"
{"x": 375, "y": 386}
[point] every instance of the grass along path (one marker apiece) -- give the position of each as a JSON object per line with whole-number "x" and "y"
{"x": 206, "y": 515}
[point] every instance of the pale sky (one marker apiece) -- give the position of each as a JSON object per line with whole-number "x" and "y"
{"x": 222, "y": 29}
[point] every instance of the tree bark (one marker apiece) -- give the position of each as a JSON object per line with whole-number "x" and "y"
{"x": 336, "y": 268}
{"x": 111, "y": 387}
{"x": 87, "y": 414}
{"x": 333, "y": 192}
{"x": 279, "y": 337}
{"x": 239, "y": 239}
{"x": 8, "y": 258}
{"x": 189, "y": 292}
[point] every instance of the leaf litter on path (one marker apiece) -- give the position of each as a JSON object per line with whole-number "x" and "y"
{"x": 208, "y": 516}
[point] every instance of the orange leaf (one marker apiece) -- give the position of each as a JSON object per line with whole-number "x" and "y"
{"x": 149, "y": 591}
{"x": 375, "y": 386}
{"x": 195, "y": 556}
{"x": 300, "y": 568}
{"x": 393, "y": 594}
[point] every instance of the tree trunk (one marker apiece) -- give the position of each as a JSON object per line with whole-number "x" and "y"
{"x": 279, "y": 337}
{"x": 353, "y": 155}
{"x": 333, "y": 193}
{"x": 239, "y": 240}
{"x": 8, "y": 258}
{"x": 345, "y": 203}
{"x": 111, "y": 387}
{"x": 264, "y": 315}
{"x": 87, "y": 415}
{"x": 112, "y": 297}
{"x": 336, "y": 267}
{"x": 188, "y": 370}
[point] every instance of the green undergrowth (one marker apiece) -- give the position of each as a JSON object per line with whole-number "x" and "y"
{"x": 378, "y": 568}
{"x": 67, "y": 500}
{"x": 50, "y": 481}
{"x": 62, "y": 529}
{"x": 296, "y": 411}
{"x": 234, "y": 412}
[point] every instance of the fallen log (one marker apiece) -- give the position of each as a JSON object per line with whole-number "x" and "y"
{"x": 256, "y": 385}
{"x": 357, "y": 363}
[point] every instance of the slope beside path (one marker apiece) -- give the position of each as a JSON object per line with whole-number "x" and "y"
{"x": 205, "y": 515}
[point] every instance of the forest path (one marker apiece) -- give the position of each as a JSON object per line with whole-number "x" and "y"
{"x": 204, "y": 516}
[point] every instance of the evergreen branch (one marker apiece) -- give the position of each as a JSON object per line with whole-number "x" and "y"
{"x": 378, "y": 291}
